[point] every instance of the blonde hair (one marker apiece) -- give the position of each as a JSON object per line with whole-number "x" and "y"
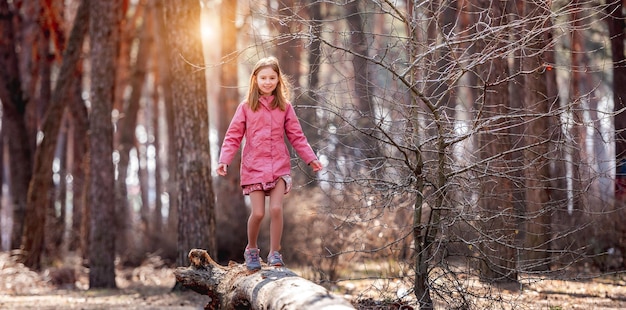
{"x": 281, "y": 93}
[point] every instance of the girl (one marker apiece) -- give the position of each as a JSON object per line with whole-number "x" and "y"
{"x": 264, "y": 119}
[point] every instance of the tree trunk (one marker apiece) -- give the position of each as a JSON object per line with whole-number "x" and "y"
{"x": 13, "y": 123}
{"x": 289, "y": 47}
{"x": 308, "y": 116}
{"x": 305, "y": 106}
{"x": 144, "y": 190}
{"x": 234, "y": 287}
{"x": 578, "y": 141}
{"x": 421, "y": 247}
{"x": 104, "y": 34}
{"x": 78, "y": 114}
{"x": 232, "y": 207}
{"x": 39, "y": 187}
{"x": 496, "y": 201}
{"x": 515, "y": 10}
{"x": 535, "y": 255}
{"x": 126, "y": 142}
{"x": 196, "y": 201}
{"x": 617, "y": 35}
{"x": 156, "y": 228}
{"x": 165, "y": 82}
{"x": 365, "y": 143}
{"x": 54, "y": 227}
{"x": 439, "y": 27}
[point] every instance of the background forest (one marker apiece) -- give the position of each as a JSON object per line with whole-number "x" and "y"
{"x": 464, "y": 141}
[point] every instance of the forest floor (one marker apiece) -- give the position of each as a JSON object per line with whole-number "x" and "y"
{"x": 149, "y": 287}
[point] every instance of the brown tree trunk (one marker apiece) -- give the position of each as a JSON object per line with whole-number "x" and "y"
{"x": 561, "y": 224}
{"x": 157, "y": 217}
{"x": 144, "y": 189}
{"x": 158, "y": 233}
{"x": 535, "y": 255}
{"x": 31, "y": 32}
{"x": 309, "y": 116}
{"x": 441, "y": 19}
{"x": 231, "y": 208}
{"x": 496, "y": 201}
{"x": 617, "y": 36}
{"x": 367, "y": 147}
{"x": 55, "y": 214}
{"x": 617, "y": 29}
{"x": 578, "y": 143}
{"x": 165, "y": 82}
{"x": 515, "y": 11}
{"x": 52, "y": 232}
{"x": 14, "y": 126}
{"x": 78, "y": 115}
{"x": 126, "y": 141}
{"x": 196, "y": 201}
{"x": 289, "y": 49}
{"x": 39, "y": 188}
{"x": 422, "y": 244}
{"x": 104, "y": 31}
{"x": 234, "y": 287}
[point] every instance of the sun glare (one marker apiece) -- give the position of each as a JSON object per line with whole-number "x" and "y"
{"x": 207, "y": 30}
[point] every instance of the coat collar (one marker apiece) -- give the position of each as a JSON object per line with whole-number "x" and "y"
{"x": 266, "y": 101}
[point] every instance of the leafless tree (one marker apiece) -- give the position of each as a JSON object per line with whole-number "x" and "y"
{"x": 467, "y": 152}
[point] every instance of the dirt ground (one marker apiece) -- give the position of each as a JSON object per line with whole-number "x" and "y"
{"x": 149, "y": 287}
{"x": 146, "y": 287}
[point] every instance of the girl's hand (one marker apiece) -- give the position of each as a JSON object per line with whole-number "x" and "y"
{"x": 222, "y": 169}
{"x": 316, "y": 165}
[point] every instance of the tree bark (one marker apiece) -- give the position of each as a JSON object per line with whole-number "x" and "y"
{"x": 164, "y": 80}
{"x": 14, "y": 126}
{"x": 537, "y": 222}
{"x": 269, "y": 288}
{"x": 366, "y": 145}
{"x": 104, "y": 34}
{"x": 308, "y": 116}
{"x": 421, "y": 243}
{"x": 617, "y": 34}
{"x": 497, "y": 213}
{"x": 289, "y": 47}
{"x": 39, "y": 186}
{"x": 232, "y": 206}
{"x": 126, "y": 141}
{"x": 579, "y": 90}
{"x": 78, "y": 115}
{"x": 196, "y": 200}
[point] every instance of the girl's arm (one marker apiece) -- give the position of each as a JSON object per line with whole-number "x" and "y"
{"x": 296, "y": 137}
{"x": 232, "y": 138}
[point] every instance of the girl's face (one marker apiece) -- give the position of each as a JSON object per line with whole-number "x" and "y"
{"x": 267, "y": 80}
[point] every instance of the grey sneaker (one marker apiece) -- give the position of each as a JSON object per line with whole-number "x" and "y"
{"x": 253, "y": 261}
{"x": 275, "y": 259}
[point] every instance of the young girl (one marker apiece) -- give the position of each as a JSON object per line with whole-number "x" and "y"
{"x": 264, "y": 119}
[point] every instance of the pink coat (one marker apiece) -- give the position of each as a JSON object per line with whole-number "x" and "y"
{"x": 265, "y": 156}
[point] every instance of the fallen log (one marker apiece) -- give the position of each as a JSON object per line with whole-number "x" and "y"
{"x": 234, "y": 287}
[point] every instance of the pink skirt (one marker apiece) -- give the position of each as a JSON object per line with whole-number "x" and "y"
{"x": 268, "y": 186}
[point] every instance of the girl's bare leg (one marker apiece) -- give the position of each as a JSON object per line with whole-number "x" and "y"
{"x": 276, "y": 215}
{"x": 257, "y": 201}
